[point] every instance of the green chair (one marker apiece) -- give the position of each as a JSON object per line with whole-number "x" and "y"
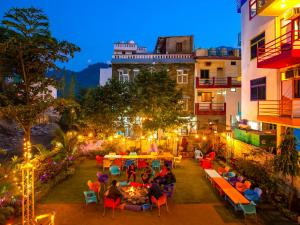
{"x": 114, "y": 170}
{"x": 90, "y": 197}
{"x": 249, "y": 209}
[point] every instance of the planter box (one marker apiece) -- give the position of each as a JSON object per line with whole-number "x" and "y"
{"x": 256, "y": 138}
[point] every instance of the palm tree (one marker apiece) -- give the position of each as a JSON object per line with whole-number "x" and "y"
{"x": 66, "y": 142}
{"x": 286, "y": 161}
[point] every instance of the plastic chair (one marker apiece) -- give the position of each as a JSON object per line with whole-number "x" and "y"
{"x": 220, "y": 170}
{"x": 115, "y": 170}
{"x": 169, "y": 190}
{"x": 106, "y": 163}
{"x": 169, "y": 163}
{"x": 118, "y": 162}
{"x": 142, "y": 163}
{"x": 110, "y": 203}
{"x": 156, "y": 164}
{"x": 249, "y": 209}
{"x": 163, "y": 200}
{"x": 128, "y": 163}
{"x": 206, "y": 164}
{"x": 90, "y": 197}
{"x": 241, "y": 187}
{"x": 198, "y": 155}
{"x": 99, "y": 160}
{"x": 177, "y": 160}
{"x": 211, "y": 156}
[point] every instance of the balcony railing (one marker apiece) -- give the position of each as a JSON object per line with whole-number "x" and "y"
{"x": 281, "y": 52}
{"x": 154, "y": 56}
{"x": 209, "y": 108}
{"x": 273, "y": 7}
{"x": 218, "y": 82}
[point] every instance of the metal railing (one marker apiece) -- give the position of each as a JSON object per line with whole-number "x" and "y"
{"x": 280, "y": 45}
{"x": 218, "y": 82}
{"x": 279, "y": 108}
{"x": 209, "y": 108}
{"x": 154, "y": 56}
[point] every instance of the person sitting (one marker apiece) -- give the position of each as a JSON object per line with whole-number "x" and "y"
{"x": 160, "y": 178}
{"x": 154, "y": 191}
{"x": 113, "y": 192}
{"x": 146, "y": 175}
{"x": 169, "y": 178}
{"x": 131, "y": 171}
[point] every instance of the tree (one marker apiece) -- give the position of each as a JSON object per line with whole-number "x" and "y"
{"x": 286, "y": 161}
{"x": 157, "y": 100}
{"x": 106, "y": 109}
{"x": 28, "y": 51}
{"x": 72, "y": 87}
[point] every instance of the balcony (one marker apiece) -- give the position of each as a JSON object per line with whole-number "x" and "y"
{"x": 284, "y": 112}
{"x": 274, "y": 7}
{"x": 216, "y": 82}
{"x": 209, "y": 108}
{"x": 282, "y": 52}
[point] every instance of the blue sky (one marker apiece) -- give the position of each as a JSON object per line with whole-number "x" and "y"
{"x": 95, "y": 25}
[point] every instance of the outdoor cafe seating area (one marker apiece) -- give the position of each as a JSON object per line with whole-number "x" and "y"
{"x": 135, "y": 194}
{"x": 235, "y": 189}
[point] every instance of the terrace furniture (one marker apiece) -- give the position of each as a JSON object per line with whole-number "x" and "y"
{"x": 142, "y": 163}
{"x": 211, "y": 156}
{"x": 177, "y": 160}
{"x": 99, "y": 160}
{"x": 115, "y": 170}
{"x": 118, "y": 162}
{"x": 163, "y": 200}
{"x": 106, "y": 163}
{"x": 249, "y": 209}
{"x": 95, "y": 187}
{"x": 169, "y": 190}
{"x": 206, "y": 164}
{"x": 168, "y": 163}
{"x": 198, "y": 155}
{"x": 241, "y": 187}
{"x": 90, "y": 197}
{"x": 220, "y": 184}
{"x": 156, "y": 164}
{"x": 211, "y": 173}
{"x": 253, "y": 195}
{"x": 132, "y": 153}
{"x": 110, "y": 203}
{"x": 128, "y": 163}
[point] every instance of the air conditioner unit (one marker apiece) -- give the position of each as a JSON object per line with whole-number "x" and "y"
{"x": 292, "y": 13}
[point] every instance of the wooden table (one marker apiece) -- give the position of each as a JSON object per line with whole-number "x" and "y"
{"x": 220, "y": 183}
{"x": 235, "y": 197}
{"x": 210, "y": 173}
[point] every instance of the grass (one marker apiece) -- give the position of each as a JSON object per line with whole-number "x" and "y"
{"x": 190, "y": 187}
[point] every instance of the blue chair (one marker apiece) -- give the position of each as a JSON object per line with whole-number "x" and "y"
{"x": 115, "y": 170}
{"x": 90, "y": 197}
{"x": 128, "y": 163}
{"x": 156, "y": 164}
{"x": 249, "y": 209}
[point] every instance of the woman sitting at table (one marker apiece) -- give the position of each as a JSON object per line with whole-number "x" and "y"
{"x": 131, "y": 171}
{"x": 146, "y": 175}
{"x": 113, "y": 192}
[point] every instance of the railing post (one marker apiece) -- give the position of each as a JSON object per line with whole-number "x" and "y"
{"x": 210, "y": 107}
{"x": 229, "y": 81}
{"x": 225, "y": 107}
{"x": 213, "y": 81}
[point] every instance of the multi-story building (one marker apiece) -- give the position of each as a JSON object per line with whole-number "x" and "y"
{"x": 271, "y": 63}
{"x": 218, "y": 87}
{"x": 174, "y": 54}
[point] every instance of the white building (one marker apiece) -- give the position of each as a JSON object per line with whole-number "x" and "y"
{"x": 270, "y": 63}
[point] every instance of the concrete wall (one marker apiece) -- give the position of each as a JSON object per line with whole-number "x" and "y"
{"x": 250, "y": 29}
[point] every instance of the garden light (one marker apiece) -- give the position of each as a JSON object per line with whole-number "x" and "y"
{"x": 204, "y": 138}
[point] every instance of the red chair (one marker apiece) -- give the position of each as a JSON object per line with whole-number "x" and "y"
{"x": 163, "y": 200}
{"x": 94, "y": 186}
{"x": 119, "y": 163}
{"x": 99, "y": 160}
{"x": 110, "y": 203}
{"x": 135, "y": 184}
{"x": 241, "y": 187}
{"x": 211, "y": 156}
{"x": 142, "y": 163}
{"x": 206, "y": 164}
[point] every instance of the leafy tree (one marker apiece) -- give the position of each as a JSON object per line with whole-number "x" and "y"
{"x": 286, "y": 162}
{"x": 72, "y": 87}
{"x": 28, "y": 51}
{"x": 157, "y": 100}
{"x": 106, "y": 109}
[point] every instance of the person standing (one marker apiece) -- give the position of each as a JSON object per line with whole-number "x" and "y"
{"x": 131, "y": 171}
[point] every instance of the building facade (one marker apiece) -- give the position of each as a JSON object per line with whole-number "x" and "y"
{"x": 270, "y": 64}
{"x": 218, "y": 87}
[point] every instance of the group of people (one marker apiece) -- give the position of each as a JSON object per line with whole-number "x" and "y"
{"x": 164, "y": 177}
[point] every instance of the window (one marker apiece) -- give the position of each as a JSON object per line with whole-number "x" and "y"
{"x": 207, "y": 63}
{"x": 206, "y": 97}
{"x": 258, "y": 89}
{"x": 185, "y": 104}
{"x": 257, "y": 42}
{"x": 182, "y": 77}
{"x": 124, "y": 75}
{"x": 233, "y": 63}
{"x": 136, "y": 72}
{"x": 204, "y": 74}
{"x": 179, "y": 47}
{"x": 252, "y": 9}
{"x": 297, "y": 89}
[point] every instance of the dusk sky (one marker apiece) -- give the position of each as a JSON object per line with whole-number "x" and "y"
{"x": 94, "y": 25}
